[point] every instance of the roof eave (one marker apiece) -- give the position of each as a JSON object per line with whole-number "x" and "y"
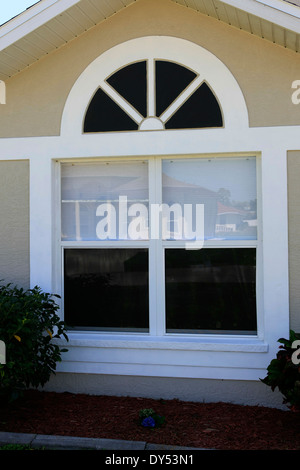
{"x": 49, "y": 19}
{"x": 278, "y": 12}
{"x": 31, "y": 19}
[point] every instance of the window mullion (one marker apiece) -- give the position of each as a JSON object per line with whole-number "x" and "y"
{"x": 151, "y": 87}
{"x": 152, "y": 251}
{"x": 130, "y": 110}
{"x": 181, "y": 99}
{"x": 156, "y": 261}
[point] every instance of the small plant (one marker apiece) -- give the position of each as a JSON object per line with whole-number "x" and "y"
{"x": 28, "y": 324}
{"x": 284, "y": 371}
{"x": 16, "y": 447}
{"x": 148, "y": 418}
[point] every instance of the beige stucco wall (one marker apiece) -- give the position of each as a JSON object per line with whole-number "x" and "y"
{"x": 14, "y": 222}
{"x": 36, "y": 97}
{"x": 264, "y": 71}
{"x": 293, "y": 161}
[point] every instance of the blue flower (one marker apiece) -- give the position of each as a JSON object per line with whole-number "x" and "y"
{"x": 149, "y": 422}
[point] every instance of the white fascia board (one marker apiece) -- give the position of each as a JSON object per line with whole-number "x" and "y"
{"x": 32, "y": 19}
{"x": 282, "y": 5}
{"x": 278, "y": 12}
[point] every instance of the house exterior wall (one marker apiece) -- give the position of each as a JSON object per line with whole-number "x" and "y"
{"x": 14, "y": 222}
{"x": 205, "y": 390}
{"x": 33, "y": 109}
{"x": 36, "y": 97}
{"x": 293, "y": 159}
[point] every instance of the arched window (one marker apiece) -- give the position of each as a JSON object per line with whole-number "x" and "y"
{"x": 149, "y": 95}
{"x": 154, "y": 83}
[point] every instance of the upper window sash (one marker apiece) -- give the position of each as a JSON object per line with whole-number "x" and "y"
{"x": 203, "y": 199}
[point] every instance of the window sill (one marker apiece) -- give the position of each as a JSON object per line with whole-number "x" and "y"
{"x": 146, "y": 342}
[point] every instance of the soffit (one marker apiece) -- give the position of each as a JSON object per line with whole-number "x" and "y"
{"x": 49, "y": 24}
{"x": 283, "y": 28}
{"x": 67, "y": 24}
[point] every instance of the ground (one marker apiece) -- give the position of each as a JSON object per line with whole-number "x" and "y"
{"x": 206, "y": 425}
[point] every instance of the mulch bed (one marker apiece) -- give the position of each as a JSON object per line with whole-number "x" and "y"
{"x": 206, "y": 425}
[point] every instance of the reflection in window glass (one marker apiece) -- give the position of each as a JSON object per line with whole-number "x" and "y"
{"x": 208, "y": 290}
{"x": 106, "y": 289}
{"x": 102, "y": 201}
{"x": 226, "y": 187}
{"x": 211, "y": 290}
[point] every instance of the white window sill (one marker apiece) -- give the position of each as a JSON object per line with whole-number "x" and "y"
{"x": 168, "y": 342}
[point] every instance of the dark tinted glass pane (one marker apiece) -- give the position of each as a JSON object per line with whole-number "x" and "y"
{"x": 104, "y": 115}
{"x": 171, "y": 80}
{"x": 106, "y": 289}
{"x": 200, "y": 110}
{"x": 211, "y": 290}
{"x": 131, "y": 83}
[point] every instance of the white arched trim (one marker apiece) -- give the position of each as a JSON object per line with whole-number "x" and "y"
{"x": 186, "y": 53}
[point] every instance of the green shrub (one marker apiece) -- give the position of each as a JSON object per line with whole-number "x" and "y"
{"x": 28, "y": 323}
{"x": 284, "y": 371}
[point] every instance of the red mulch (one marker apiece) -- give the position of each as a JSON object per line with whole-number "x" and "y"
{"x": 206, "y": 425}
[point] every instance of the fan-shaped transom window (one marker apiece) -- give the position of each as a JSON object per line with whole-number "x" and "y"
{"x": 152, "y": 95}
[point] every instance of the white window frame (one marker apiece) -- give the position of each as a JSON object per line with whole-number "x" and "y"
{"x": 165, "y": 356}
{"x": 156, "y": 251}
